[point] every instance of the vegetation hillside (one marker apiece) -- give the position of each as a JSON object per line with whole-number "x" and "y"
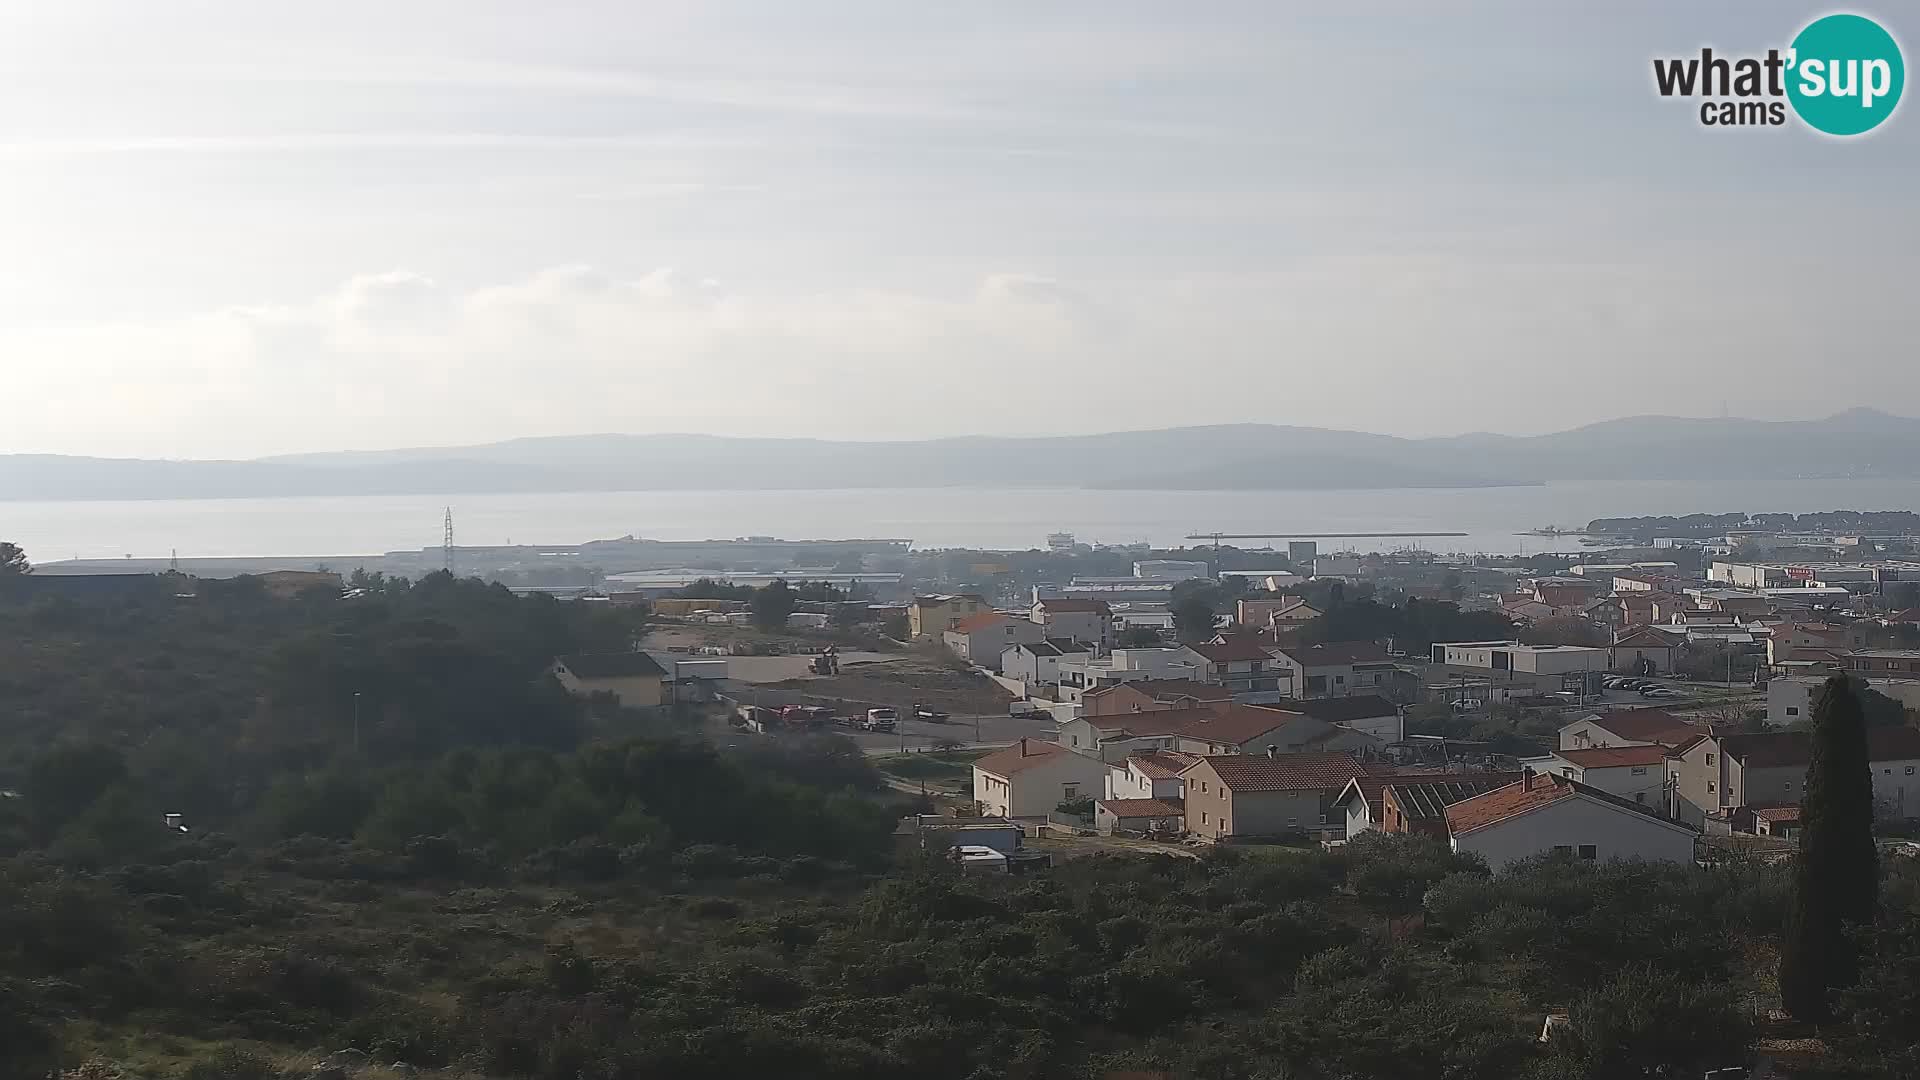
{"x": 501, "y": 882}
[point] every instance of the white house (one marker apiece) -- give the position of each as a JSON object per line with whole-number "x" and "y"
{"x": 1335, "y": 668}
{"x": 1637, "y": 774}
{"x": 1038, "y": 663}
{"x": 1644, "y": 651}
{"x": 1790, "y": 697}
{"x": 1151, "y": 774}
{"x": 1088, "y": 621}
{"x": 1369, "y": 714}
{"x": 1030, "y": 778}
{"x": 1544, "y": 813}
{"x": 1242, "y": 666}
{"x": 982, "y": 639}
{"x": 1627, "y": 727}
{"x": 1077, "y": 676}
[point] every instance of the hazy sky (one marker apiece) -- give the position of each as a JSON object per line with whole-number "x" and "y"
{"x": 241, "y": 228}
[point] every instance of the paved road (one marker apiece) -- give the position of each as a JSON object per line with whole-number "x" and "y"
{"x": 990, "y": 730}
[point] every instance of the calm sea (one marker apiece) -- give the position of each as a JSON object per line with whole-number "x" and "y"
{"x": 1493, "y": 518}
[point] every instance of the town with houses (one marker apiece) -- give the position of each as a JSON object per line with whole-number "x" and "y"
{"x": 1263, "y": 730}
{"x": 1650, "y": 701}
{"x": 1641, "y": 704}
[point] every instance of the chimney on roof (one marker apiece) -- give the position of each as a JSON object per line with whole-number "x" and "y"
{"x": 1023, "y": 746}
{"x": 1272, "y": 751}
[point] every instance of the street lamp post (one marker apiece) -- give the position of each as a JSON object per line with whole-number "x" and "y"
{"x": 356, "y": 721}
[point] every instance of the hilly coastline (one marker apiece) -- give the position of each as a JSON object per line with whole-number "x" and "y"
{"x": 1857, "y": 443}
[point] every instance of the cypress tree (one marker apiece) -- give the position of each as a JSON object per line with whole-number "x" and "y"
{"x": 1837, "y": 876}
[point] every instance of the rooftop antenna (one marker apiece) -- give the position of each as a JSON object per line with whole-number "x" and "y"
{"x": 173, "y": 562}
{"x": 446, "y": 544}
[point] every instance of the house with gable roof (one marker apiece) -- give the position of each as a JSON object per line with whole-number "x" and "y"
{"x": 1032, "y": 777}
{"x": 1542, "y": 814}
{"x": 1626, "y": 727}
{"x": 1635, "y": 773}
{"x": 1644, "y": 650}
{"x": 1335, "y": 668}
{"x": 1240, "y": 795}
{"x": 1411, "y": 800}
{"x": 982, "y": 639}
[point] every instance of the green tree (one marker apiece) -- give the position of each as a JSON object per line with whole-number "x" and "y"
{"x": 1138, "y": 637}
{"x": 1837, "y": 877}
{"x": 67, "y": 779}
{"x": 13, "y": 561}
{"x": 1195, "y": 604}
{"x": 772, "y": 605}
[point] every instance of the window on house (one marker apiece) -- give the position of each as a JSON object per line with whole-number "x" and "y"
{"x": 1567, "y": 772}
{"x": 1589, "y": 852}
{"x": 1203, "y": 817}
{"x": 1339, "y": 680}
{"x": 1709, "y": 760}
{"x": 1793, "y": 710}
{"x": 1639, "y": 770}
{"x": 1909, "y": 770}
{"x": 1640, "y": 797}
{"x": 1069, "y": 791}
{"x": 1563, "y": 849}
{"x": 1293, "y": 823}
{"x": 1710, "y": 786}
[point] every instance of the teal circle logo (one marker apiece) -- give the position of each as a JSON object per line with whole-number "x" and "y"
{"x": 1845, "y": 74}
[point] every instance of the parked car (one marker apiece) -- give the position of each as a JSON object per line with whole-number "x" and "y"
{"x": 924, "y": 711}
{"x": 1659, "y": 692}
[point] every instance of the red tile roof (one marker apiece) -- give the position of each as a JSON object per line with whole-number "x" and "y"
{"x": 1613, "y": 757}
{"x": 982, "y": 621}
{"x": 1775, "y": 813}
{"x": 1223, "y": 724}
{"x": 1680, "y": 748}
{"x": 1239, "y": 724}
{"x": 1161, "y": 764}
{"x": 1647, "y": 637}
{"x": 1779, "y": 749}
{"x": 1022, "y": 755}
{"x": 1058, "y": 606}
{"x": 1283, "y": 772}
{"x": 1338, "y": 710}
{"x": 1511, "y": 801}
{"x": 1336, "y": 652}
{"x": 1646, "y": 725}
{"x": 1139, "y": 808}
{"x": 1168, "y": 690}
{"x": 1234, "y": 648}
{"x": 1524, "y": 797}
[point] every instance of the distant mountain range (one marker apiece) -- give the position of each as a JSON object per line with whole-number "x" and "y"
{"x": 1855, "y": 443}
